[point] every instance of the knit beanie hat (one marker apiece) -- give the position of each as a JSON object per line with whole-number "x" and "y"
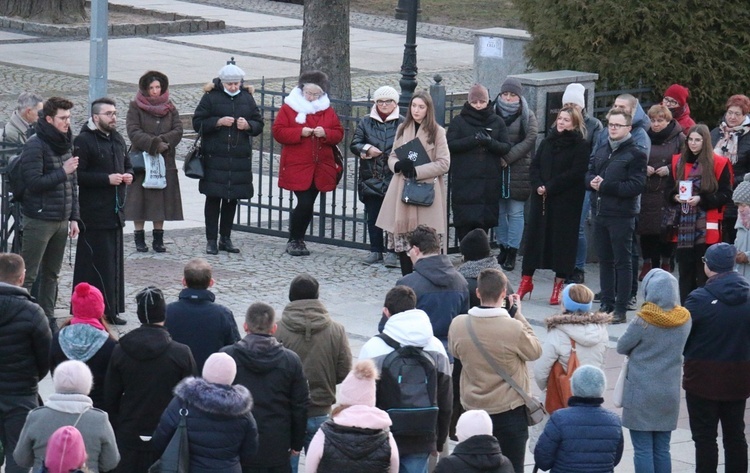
{"x": 513, "y": 86}
{"x": 588, "y": 381}
{"x": 65, "y": 450}
{"x": 720, "y": 257}
{"x": 661, "y": 288}
{"x": 72, "y": 377}
{"x": 303, "y": 286}
{"x": 87, "y": 305}
{"x": 358, "y": 388}
{"x": 220, "y": 368}
{"x": 574, "y": 93}
{"x": 231, "y": 73}
{"x": 677, "y": 92}
{"x": 473, "y": 422}
{"x": 475, "y": 245}
{"x": 386, "y": 93}
{"x": 478, "y": 92}
{"x": 318, "y": 78}
{"x": 741, "y": 193}
{"x": 151, "y": 307}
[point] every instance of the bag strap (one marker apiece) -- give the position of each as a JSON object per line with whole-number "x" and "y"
{"x": 80, "y": 415}
{"x": 493, "y": 363}
{"x": 389, "y": 341}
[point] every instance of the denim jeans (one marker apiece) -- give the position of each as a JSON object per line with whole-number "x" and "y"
{"x": 614, "y": 239}
{"x": 651, "y": 451}
{"x": 511, "y": 430}
{"x": 372, "y": 209}
{"x": 415, "y": 463}
{"x": 43, "y": 251}
{"x": 13, "y": 411}
{"x": 509, "y": 230}
{"x": 313, "y": 424}
{"x": 582, "y": 250}
{"x": 705, "y": 416}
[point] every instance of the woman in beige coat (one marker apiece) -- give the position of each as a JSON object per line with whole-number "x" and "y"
{"x": 397, "y": 218}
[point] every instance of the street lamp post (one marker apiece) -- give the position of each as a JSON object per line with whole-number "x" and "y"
{"x": 98, "y": 50}
{"x": 408, "y": 80}
{"x": 402, "y": 9}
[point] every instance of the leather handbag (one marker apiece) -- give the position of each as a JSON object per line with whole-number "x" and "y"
{"x": 176, "y": 457}
{"x": 558, "y": 382}
{"x": 418, "y": 193}
{"x": 535, "y": 412}
{"x": 192, "y": 165}
{"x": 137, "y": 161}
{"x": 339, "y": 159}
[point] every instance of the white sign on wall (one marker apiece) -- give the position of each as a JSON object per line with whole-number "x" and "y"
{"x": 490, "y": 46}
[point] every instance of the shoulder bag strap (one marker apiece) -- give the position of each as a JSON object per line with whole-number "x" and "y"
{"x": 389, "y": 341}
{"x": 79, "y": 416}
{"x": 493, "y": 363}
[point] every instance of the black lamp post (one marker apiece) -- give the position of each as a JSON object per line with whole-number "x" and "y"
{"x": 408, "y": 80}
{"x": 402, "y": 9}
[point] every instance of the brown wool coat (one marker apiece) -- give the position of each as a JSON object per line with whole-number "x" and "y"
{"x": 145, "y": 132}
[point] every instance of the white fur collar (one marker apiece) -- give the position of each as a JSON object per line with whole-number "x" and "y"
{"x": 488, "y": 312}
{"x": 297, "y": 101}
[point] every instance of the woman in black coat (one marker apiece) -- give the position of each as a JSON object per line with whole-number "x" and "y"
{"x": 227, "y": 118}
{"x": 557, "y": 181}
{"x": 222, "y": 433}
{"x": 477, "y": 139}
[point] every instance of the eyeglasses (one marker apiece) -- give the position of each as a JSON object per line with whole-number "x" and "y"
{"x": 616, "y": 126}
{"x": 312, "y": 94}
{"x": 384, "y": 102}
{"x": 670, "y": 101}
{"x": 732, "y": 113}
{"x": 108, "y": 114}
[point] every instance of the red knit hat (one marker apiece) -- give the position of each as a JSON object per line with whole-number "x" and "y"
{"x": 679, "y": 93}
{"x": 65, "y": 450}
{"x": 87, "y": 302}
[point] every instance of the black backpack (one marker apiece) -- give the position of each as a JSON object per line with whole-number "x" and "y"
{"x": 16, "y": 183}
{"x": 407, "y": 389}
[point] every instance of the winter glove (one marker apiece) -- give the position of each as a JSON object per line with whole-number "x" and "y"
{"x": 406, "y": 168}
{"x": 483, "y": 138}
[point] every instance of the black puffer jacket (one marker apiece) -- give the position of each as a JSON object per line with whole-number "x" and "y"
{"x": 372, "y": 130}
{"x": 624, "y": 174}
{"x": 227, "y": 151}
{"x": 477, "y": 454}
{"x": 274, "y": 376}
{"x": 51, "y": 194}
{"x": 99, "y": 156}
{"x": 24, "y": 342}
{"x": 740, "y": 168}
{"x": 354, "y": 449}
{"x": 476, "y": 169}
{"x": 221, "y": 430}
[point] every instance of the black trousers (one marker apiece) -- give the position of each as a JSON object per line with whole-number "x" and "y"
{"x": 614, "y": 239}
{"x": 511, "y": 429}
{"x": 217, "y": 207}
{"x": 654, "y": 248}
{"x": 303, "y": 213}
{"x": 690, "y": 267}
{"x": 705, "y": 416}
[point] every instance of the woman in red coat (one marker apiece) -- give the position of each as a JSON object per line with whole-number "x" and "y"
{"x": 308, "y": 129}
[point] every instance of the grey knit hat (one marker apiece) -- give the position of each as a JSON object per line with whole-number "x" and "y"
{"x": 741, "y": 194}
{"x": 231, "y": 73}
{"x": 588, "y": 381}
{"x": 513, "y": 86}
{"x": 661, "y": 288}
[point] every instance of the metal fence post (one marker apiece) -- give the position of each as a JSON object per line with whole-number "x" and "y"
{"x": 437, "y": 92}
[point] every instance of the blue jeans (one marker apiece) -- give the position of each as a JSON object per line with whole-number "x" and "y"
{"x": 651, "y": 451}
{"x": 582, "y": 250}
{"x": 372, "y": 210}
{"x": 415, "y": 463}
{"x": 511, "y": 429}
{"x": 313, "y": 424}
{"x": 509, "y": 228}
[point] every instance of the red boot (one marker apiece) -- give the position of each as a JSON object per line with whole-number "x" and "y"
{"x": 556, "y": 290}
{"x": 526, "y": 286}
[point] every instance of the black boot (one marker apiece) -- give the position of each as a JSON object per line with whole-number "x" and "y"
{"x": 158, "y": 244}
{"x": 502, "y": 255}
{"x": 510, "y": 259}
{"x": 211, "y": 247}
{"x": 140, "y": 241}
{"x": 115, "y": 320}
{"x": 225, "y": 244}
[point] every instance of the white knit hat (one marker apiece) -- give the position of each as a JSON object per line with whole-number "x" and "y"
{"x": 471, "y": 423}
{"x": 231, "y": 73}
{"x": 72, "y": 377}
{"x": 220, "y": 368}
{"x": 385, "y": 93}
{"x": 574, "y": 93}
{"x": 358, "y": 389}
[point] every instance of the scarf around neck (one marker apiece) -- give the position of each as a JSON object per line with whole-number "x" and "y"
{"x": 297, "y": 102}
{"x": 58, "y": 141}
{"x": 158, "y": 106}
{"x": 729, "y": 137}
{"x": 659, "y": 137}
{"x": 655, "y": 315}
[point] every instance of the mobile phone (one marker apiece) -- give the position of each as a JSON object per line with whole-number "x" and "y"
{"x": 510, "y": 306}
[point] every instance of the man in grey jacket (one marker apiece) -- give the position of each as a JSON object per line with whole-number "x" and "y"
{"x": 20, "y": 126}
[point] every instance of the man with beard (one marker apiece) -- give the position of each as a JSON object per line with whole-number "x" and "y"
{"x": 104, "y": 172}
{"x": 50, "y": 203}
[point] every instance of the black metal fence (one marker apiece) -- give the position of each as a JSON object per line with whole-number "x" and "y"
{"x": 10, "y": 214}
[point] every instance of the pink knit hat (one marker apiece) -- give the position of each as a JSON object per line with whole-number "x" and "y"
{"x": 87, "y": 305}
{"x": 220, "y": 368}
{"x": 358, "y": 389}
{"x": 65, "y": 450}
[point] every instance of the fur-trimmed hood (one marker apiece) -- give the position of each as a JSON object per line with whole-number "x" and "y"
{"x": 150, "y": 76}
{"x": 213, "y": 398}
{"x": 577, "y": 318}
{"x": 216, "y": 85}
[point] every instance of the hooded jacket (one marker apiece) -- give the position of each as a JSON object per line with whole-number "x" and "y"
{"x": 87, "y": 344}
{"x": 476, "y": 454}
{"x": 222, "y": 433}
{"x": 24, "y": 342}
{"x": 356, "y": 439}
{"x": 717, "y": 352}
{"x": 413, "y": 328}
{"x": 144, "y": 368}
{"x": 68, "y": 409}
{"x": 274, "y": 376}
{"x": 307, "y": 329}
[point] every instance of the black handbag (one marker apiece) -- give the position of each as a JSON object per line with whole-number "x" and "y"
{"x": 137, "y": 161}
{"x": 176, "y": 457}
{"x": 373, "y": 187}
{"x": 338, "y": 158}
{"x": 418, "y": 193}
{"x": 192, "y": 165}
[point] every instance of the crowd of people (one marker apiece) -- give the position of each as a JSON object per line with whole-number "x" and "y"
{"x": 450, "y": 358}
